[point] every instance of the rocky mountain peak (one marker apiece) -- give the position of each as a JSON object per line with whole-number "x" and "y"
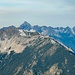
{"x": 66, "y": 35}
{"x": 30, "y": 53}
{"x": 8, "y": 32}
{"x": 25, "y": 26}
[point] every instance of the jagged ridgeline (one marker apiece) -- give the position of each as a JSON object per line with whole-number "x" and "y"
{"x": 25, "y": 52}
{"x": 66, "y": 35}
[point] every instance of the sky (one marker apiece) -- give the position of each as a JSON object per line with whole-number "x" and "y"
{"x": 55, "y": 13}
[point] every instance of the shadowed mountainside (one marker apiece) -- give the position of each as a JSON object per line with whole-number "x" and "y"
{"x": 30, "y": 53}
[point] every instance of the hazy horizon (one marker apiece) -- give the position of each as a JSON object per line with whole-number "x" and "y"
{"x": 55, "y": 13}
{"x": 35, "y": 25}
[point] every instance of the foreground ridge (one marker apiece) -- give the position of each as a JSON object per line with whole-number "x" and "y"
{"x": 24, "y": 52}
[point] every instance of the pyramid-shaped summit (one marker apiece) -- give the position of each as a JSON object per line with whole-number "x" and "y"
{"x": 25, "y": 26}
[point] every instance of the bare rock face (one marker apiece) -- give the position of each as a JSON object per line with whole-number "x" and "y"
{"x": 25, "y": 52}
{"x": 15, "y": 39}
{"x": 66, "y": 35}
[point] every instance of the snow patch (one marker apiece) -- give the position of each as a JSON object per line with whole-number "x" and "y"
{"x": 32, "y": 30}
{"x": 52, "y": 41}
{"x": 72, "y": 31}
{"x": 22, "y": 33}
{"x": 44, "y": 32}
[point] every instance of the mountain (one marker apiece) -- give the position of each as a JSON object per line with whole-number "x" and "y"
{"x": 25, "y": 26}
{"x": 65, "y": 35}
{"x": 25, "y": 52}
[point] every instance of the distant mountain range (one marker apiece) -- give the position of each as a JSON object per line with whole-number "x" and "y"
{"x": 26, "y": 52}
{"x": 65, "y": 35}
